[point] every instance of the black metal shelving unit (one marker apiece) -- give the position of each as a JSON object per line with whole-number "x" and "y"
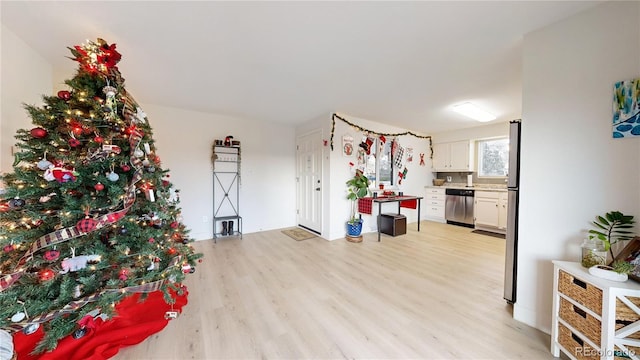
{"x": 226, "y": 192}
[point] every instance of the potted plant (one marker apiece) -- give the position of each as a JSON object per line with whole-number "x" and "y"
{"x": 618, "y": 271}
{"x": 357, "y": 188}
{"x": 613, "y": 227}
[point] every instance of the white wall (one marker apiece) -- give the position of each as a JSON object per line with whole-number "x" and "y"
{"x": 25, "y": 76}
{"x": 572, "y": 169}
{"x": 267, "y": 194}
{"x": 417, "y": 176}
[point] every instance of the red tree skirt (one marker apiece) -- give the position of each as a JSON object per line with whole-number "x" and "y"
{"x": 134, "y": 323}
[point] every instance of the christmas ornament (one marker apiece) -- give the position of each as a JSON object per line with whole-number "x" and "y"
{"x": 151, "y": 266}
{"x": 152, "y": 240}
{"x": 123, "y": 231}
{"x": 123, "y": 274}
{"x": 98, "y": 186}
{"x": 44, "y": 164}
{"x": 4, "y": 207}
{"x": 138, "y": 153}
{"x": 6, "y": 346}
{"x": 110, "y": 92}
{"x": 19, "y": 316}
{"x": 77, "y": 291}
{"x": 187, "y": 269}
{"x": 51, "y": 255}
{"x": 111, "y": 148}
{"x": 151, "y": 169}
{"x": 79, "y": 333}
{"x": 75, "y": 193}
{"x": 170, "y": 315}
{"x": 112, "y": 176}
{"x": 73, "y": 142}
{"x": 86, "y": 225}
{"x": 30, "y": 329}
{"x": 113, "y": 217}
{"x": 45, "y": 198}
{"x": 157, "y": 223}
{"x": 63, "y": 175}
{"x": 149, "y": 195}
{"x": 16, "y": 203}
{"x": 98, "y": 139}
{"x": 46, "y": 274}
{"x": 106, "y": 239}
{"x": 140, "y": 115}
{"x": 64, "y": 95}
{"x": 172, "y": 251}
{"x": 174, "y": 224}
{"x": 125, "y": 167}
{"x": 38, "y": 133}
{"x": 76, "y": 263}
{"x": 8, "y": 248}
{"x": 76, "y": 129}
{"x": 146, "y": 162}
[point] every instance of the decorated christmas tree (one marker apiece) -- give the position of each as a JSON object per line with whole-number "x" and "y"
{"x": 88, "y": 216}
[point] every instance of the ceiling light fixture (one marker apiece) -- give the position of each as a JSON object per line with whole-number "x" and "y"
{"x": 474, "y": 112}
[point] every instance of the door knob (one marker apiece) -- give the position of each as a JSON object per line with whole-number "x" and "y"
{"x": 317, "y": 189}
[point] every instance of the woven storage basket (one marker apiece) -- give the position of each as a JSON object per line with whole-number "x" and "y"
{"x": 620, "y": 354}
{"x": 580, "y": 291}
{"x": 625, "y": 316}
{"x": 586, "y": 324}
{"x": 575, "y": 345}
{"x": 623, "y": 312}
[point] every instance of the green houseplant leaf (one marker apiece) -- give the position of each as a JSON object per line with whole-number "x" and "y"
{"x": 612, "y": 227}
{"x": 357, "y": 188}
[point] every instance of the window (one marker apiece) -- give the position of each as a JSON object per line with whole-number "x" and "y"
{"x": 379, "y": 167}
{"x": 493, "y": 157}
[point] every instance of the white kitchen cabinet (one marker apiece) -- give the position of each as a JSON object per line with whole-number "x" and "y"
{"x": 434, "y": 201}
{"x": 453, "y": 156}
{"x": 490, "y": 211}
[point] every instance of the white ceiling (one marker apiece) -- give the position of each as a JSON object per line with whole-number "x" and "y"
{"x": 403, "y": 63}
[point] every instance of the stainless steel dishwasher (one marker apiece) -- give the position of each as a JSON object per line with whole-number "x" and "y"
{"x": 458, "y": 207}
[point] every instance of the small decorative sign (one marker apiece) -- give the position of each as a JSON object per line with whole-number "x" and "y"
{"x": 626, "y": 109}
{"x": 347, "y": 145}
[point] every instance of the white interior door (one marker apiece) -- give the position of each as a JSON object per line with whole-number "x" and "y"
{"x": 309, "y": 168}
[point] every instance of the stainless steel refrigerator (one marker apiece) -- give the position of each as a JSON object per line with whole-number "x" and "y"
{"x": 513, "y": 188}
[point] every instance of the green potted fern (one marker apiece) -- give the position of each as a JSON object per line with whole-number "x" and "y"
{"x": 357, "y": 188}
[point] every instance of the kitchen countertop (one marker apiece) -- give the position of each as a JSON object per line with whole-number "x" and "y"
{"x": 477, "y": 187}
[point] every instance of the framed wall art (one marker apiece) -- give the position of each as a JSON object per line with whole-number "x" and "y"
{"x": 626, "y": 109}
{"x": 347, "y": 145}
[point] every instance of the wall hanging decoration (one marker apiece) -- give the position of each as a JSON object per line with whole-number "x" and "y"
{"x": 626, "y": 109}
{"x": 347, "y": 145}
{"x": 371, "y": 132}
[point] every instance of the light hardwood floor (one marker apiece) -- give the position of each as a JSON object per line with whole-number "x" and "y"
{"x": 434, "y": 294}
